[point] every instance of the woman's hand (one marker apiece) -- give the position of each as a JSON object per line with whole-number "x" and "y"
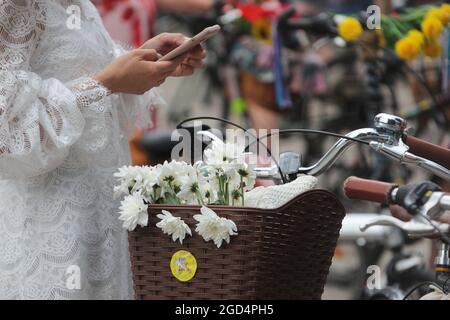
{"x": 137, "y": 71}
{"x": 166, "y": 42}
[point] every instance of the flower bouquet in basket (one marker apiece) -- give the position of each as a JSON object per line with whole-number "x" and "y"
{"x": 222, "y": 179}
{"x": 183, "y": 222}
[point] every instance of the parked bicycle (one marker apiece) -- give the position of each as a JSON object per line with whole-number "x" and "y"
{"x": 388, "y": 138}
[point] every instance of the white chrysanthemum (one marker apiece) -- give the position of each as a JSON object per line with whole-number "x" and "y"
{"x": 191, "y": 191}
{"x": 171, "y": 176}
{"x": 212, "y": 227}
{"x": 133, "y": 211}
{"x": 134, "y": 179}
{"x": 248, "y": 176}
{"x": 194, "y": 186}
{"x": 220, "y": 153}
{"x": 126, "y": 177}
{"x": 173, "y": 226}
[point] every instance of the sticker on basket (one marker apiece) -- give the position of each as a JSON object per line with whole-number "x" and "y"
{"x": 183, "y": 265}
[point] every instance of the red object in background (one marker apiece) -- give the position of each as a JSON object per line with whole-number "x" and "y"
{"x": 252, "y": 12}
{"x": 140, "y": 15}
{"x": 270, "y": 9}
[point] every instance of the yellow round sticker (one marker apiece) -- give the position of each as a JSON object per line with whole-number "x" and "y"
{"x": 183, "y": 265}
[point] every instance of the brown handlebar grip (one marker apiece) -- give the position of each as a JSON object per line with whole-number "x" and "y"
{"x": 369, "y": 190}
{"x": 429, "y": 151}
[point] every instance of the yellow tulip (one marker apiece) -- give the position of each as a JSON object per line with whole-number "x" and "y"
{"x": 407, "y": 48}
{"x": 432, "y": 49}
{"x": 436, "y": 13}
{"x": 417, "y": 36}
{"x": 445, "y": 10}
{"x": 350, "y": 29}
{"x": 432, "y": 27}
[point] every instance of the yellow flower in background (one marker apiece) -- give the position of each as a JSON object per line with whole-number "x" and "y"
{"x": 350, "y": 29}
{"x": 436, "y": 13}
{"x": 262, "y": 30}
{"x": 432, "y": 27}
{"x": 445, "y": 10}
{"x": 407, "y": 48}
{"x": 432, "y": 49}
{"x": 417, "y": 36}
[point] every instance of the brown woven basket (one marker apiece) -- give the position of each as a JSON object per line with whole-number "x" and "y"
{"x": 283, "y": 253}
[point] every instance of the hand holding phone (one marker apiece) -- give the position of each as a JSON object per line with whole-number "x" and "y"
{"x": 191, "y": 43}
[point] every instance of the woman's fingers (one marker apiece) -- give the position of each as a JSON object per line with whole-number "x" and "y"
{"x": 186, "y": 70}
{"x": 147, "y": 54}
{"x": 197, "y": 53}
{"x": 195, "y": 63}
{"x": 170, "y": 66}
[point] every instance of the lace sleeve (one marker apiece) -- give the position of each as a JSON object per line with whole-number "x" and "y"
{"x": 40, "y": 119}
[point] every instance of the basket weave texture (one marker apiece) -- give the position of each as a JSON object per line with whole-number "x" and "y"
{"x": 282, "y": 253}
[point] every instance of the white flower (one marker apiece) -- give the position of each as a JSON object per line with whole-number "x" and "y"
{"x": 211, "y": 195}
{"x": 133, "y": 211}
{"x": 171, "y": 176}
{"x": 220, "y": 153}
{"x": 194, "y": 186}
{"x": 173, "y": 226}
{"x": 191, "y": 191}
{"x": 126, "y": 177}
{"x": 248, "y": 176}
{"x": 212, "y": 227}
{"x": 134, "y": 179}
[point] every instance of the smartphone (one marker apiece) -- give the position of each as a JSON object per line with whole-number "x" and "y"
{"x": 191, "y": 43}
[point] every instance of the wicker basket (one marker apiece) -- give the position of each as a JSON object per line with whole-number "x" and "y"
{"x": 283, "y": 253}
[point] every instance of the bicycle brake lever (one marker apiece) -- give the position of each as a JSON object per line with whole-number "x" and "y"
{"x": 400, "y": 153}
{"x": 396, "y": 152}
{"x": 414, "y": 228}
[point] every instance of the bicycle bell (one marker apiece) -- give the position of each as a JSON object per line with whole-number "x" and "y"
{"x": 390, "y": 125}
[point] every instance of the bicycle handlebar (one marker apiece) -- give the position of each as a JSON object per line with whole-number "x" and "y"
{"x": 426, "y": 197}
{"x": 428, "y": 150}
{"x": 386, "y": 138}
{"x": 423, "y": 201}
{"x": 370, "y": 190}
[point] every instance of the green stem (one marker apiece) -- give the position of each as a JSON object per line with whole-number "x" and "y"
{"x": 400, "y": 26}
{"x": 227, "y": 194}
{"x": 394, "y": 29}
{"x": 242, "y": 191}
{"x": 200, "y": 198}
{"x": 222, "y": 190}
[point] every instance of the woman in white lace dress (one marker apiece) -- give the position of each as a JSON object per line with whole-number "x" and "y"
{"x": 67, "y": 97}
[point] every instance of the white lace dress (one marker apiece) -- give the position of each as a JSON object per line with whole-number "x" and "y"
{"x": 62, "y": 136}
